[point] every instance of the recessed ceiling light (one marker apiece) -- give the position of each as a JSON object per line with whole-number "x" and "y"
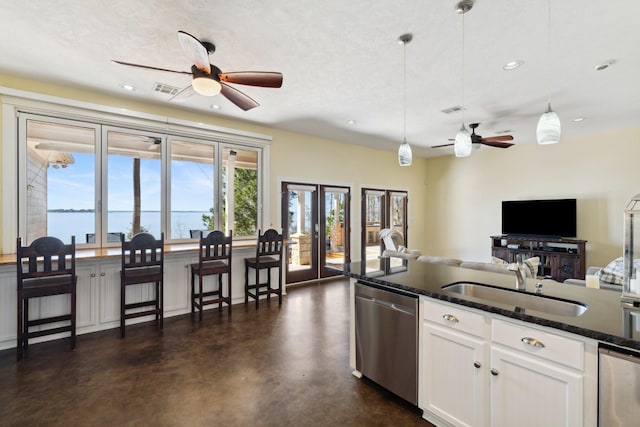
{"x": 128, "y": 87}
{"x": 604, "y": 65}
{"x": 512, "y": 65}
{"x": 578, "y": 119}
{"x": 351, "y": 122}
{"x": 215, "y": 107}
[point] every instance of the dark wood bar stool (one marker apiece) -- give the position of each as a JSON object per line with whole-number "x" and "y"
{"x": 268, "y": 256}
{"x": 46, "y": 267}
{"x": 142, "y": 262}
{"x": 214, "y": 259}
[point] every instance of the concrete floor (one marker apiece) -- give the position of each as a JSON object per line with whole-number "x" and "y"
{"x": 275, "y": 366}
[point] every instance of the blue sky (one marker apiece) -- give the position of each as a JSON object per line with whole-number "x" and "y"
{"x": 74, "y": 186}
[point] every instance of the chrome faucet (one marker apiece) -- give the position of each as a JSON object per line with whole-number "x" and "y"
{"x": 521, "y": 282}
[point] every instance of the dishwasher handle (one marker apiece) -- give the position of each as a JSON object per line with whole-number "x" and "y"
{"x": 389, "y": 305}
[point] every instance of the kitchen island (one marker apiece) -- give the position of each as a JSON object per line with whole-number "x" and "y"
{"x": 483, "y": 362}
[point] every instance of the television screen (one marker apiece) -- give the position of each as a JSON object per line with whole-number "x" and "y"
{"x": 544, "y": 218}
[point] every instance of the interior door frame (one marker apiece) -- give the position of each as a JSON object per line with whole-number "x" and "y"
{"x": 385, "y": 214}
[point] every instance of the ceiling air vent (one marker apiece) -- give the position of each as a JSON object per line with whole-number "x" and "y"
{"x": 453, "y": 109}
{"x": 166, "y": 89}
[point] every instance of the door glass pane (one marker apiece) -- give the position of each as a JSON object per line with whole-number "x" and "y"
{"x": 134, "y": 184}
{"x": 397, "y": 215}
{"x": 60, "y": 181}
{"x": 335, "y": 230}
{"x": 193, "y": 206}
{"x": 240, "y": 191}
{"x": 300, "y": 229}
{"x": 373, "y": 217}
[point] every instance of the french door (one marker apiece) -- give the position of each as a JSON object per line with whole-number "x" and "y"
{"x": 381, "y": 209}
{"x": 315, "y": 222}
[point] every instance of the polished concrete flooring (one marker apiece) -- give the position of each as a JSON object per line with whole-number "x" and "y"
{"x": 276, "y": 366}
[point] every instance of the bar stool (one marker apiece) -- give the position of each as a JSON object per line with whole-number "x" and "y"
{"x": 214, "y": 259}
{"x": 269, "y": 250}
{"x": 46, "y": 267}
{"x": 142, "y": 262}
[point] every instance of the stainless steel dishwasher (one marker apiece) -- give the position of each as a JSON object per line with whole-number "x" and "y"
{"x": 387, "y": 339}
{"x": 619, "y": 388}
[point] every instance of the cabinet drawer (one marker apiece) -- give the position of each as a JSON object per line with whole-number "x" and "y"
{"x": 453, "y": 317}
{"x": 556, "y": 348}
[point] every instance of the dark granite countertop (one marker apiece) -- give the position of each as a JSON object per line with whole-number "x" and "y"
{"x": 604, "y": 320}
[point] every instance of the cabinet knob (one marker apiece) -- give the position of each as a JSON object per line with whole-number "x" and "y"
{"x": 450, "y": 318}
{"x": 532, "y": 342}
{"x": 494, "y": 372}
{"x": 93, "y": 275}
{"x": 477, "y": 364}
{"x": 103, "y": 274}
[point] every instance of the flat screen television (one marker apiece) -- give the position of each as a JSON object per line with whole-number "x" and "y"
{"x": 541, "y": 218}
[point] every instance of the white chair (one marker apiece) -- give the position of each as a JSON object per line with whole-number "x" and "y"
{"x": 394, "y": 245}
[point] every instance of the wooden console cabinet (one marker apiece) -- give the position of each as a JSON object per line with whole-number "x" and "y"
{"x": 560, "y": 259}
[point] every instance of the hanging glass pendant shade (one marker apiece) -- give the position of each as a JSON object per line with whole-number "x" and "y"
{"x": 405, "y": 157}
{"x": 549, "y": 130}
{"x": 462, "y": 145}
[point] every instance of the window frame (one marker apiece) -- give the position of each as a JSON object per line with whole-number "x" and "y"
{"x": 17, "y": 103}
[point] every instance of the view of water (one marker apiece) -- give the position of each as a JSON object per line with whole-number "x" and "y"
{"x": 66, "y": 224}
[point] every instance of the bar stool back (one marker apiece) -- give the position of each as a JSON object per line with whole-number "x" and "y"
{"x": 269, "y": 250}
{"x": 214, "y": 259}
{"x": 46, "y": 267}
{"x": 142, "y": 262}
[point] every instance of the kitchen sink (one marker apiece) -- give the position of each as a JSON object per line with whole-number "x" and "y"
{"x": 519, "y": 299}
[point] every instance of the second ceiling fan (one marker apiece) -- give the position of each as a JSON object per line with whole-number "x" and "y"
{"x": 492, "y": 141}
{"x": 209, "y": 80}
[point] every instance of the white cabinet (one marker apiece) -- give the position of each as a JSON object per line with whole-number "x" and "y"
{"x": 479, "y": 369}
{"x": 452, "y": 371}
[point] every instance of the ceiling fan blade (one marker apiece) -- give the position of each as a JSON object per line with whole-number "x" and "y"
{"x": 147, "y": 67}
{"x": 195, "y": 50}
{"x": 496, "y": 144}
{"x": 240, "y": 99}
{"x": 253, "y": 78}
{"x": 500, "y": 138}
{"x": 443, "y": 145}
{"x": 183, "y": 94}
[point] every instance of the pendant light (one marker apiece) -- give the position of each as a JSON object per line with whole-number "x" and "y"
{"x": 405, "y": 156}
{"x": 462, "y": 145}
{"x": 548, "y": 130}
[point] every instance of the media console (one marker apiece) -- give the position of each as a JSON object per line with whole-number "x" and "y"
{"x": 560, "y": 259}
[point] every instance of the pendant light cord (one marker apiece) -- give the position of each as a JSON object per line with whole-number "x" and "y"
{"x": 463, "y": 106}
{"x": 404, "y": 92}
{"x": 549, "y": 54}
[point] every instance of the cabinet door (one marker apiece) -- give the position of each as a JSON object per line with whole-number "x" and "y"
{"x": 566, "y": 267}
{"x": 86, "y": 297}
{"x": 526, "y": 391}
{"x": 177, "y": 276}
{"x": 452, "y": 375}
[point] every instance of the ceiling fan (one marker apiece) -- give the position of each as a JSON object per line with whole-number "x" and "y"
{"x": 492, "y": 141}
{"x": 209, "y": 80}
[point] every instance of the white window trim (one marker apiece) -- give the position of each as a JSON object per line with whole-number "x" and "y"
{"x": 15, "y": 101}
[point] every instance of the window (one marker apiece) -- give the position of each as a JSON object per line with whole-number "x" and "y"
{"x": 99, "y": 182}
{"x": 60, "y": 175}
{"x": 193, "y": 184}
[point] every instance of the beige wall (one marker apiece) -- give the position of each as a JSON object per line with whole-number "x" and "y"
{"x": 294, "y": 157}
{"x": 464, "y": 195}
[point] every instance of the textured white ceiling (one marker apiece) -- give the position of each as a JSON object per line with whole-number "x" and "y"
{"x": 341, "y": 61}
